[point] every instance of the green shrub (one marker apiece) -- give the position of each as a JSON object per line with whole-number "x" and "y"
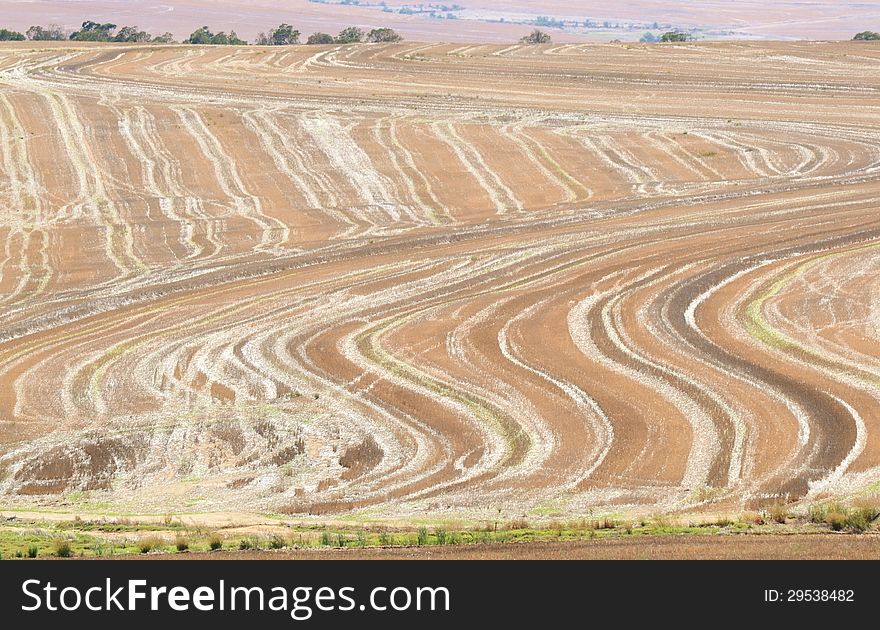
{"x": 320, "y": 38}
{"x": 860, "y": 519}
{"x": 659, "y": 521}
{"x": 215, "y": 543}
{"x": 857, "y": 523}
{"x": 62, "y": 549}
{"x": 10, "y": 36}
{"x": 350, "y": 35}
{"x": 386, "y": 539}
{"x": 325, "y": 539}
{"x": 204, "y": 35}
{"x": 537, "y": 36}
{"x": 146, "y": 545}
{"x": 422, "y": 536}
{"x": 519, "y": 523}
{"x": 675, "y": 36}
{"x": 383, "y": 35}
{"x": 440, "y": 534}
{"x": 277, "y": 542}
{"x": 840, "y": 517}
{"x": 32, "y": 551}
{"x": 131, "y": 35}
{"x": 284, "y": 35}
{"x": 869, "y": 512}
{"x": 836, "y": 520}
{"x": 94, "y": 32}
{"x": 818, "y": 514}
{"x": 181, "y": 543}
{"x": 52, "y": 32}
{"x": 753, "y": 518}
{"x": 778, "y": 513}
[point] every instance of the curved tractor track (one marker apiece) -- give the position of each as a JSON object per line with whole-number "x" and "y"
{"x": 435, "y": 279}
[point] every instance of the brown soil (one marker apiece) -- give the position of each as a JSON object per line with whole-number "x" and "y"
{"x": 745, "y": 547}
{"x": 438, "y": 283}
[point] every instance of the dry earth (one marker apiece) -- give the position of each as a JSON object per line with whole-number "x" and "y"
{"x": 743, "y": 547}
{"x": 438, "y": 281}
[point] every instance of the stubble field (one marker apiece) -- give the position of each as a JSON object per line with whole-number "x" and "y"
{"x": 432, "y": 282}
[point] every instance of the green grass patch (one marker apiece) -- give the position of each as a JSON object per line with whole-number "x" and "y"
{"x": 23, "y": 540}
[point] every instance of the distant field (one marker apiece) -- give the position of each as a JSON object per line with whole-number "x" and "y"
{"x": 478, "y": 20}
{"x": 437, "y": 284}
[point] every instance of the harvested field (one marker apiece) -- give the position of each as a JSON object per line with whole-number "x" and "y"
{"x": 439, "y": 282}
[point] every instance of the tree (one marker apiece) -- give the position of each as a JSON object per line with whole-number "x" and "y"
{"x": 320, "y": 38}
{"x": 204, "y": 35}
{"x": 350, "y": 35}
{"x": 235, "y": 40}
{"x": 383, "y": 35}
{"x": 164, "y": 38}
{"x": 284, "y": 35}
{"x": 53, "y": 32}
{"x": 10, "y": 36}
{"x": 675, "y": 36}
{"x": 131, "y": 34}
{"x": 536, "y": 37}
{"x": 548, "y": 21}
{"x": 648, "y": 38}
{"x": 866, "y": 36}
{"x": 201, "y": 35}
{"x": 223, "y": 39}
{"x": 94, "y": 32}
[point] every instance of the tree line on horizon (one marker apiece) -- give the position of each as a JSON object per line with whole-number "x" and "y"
{"x": 538, "y": 36}
{"x": 286, "y": 35}
{"x": 282, "y": 35}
